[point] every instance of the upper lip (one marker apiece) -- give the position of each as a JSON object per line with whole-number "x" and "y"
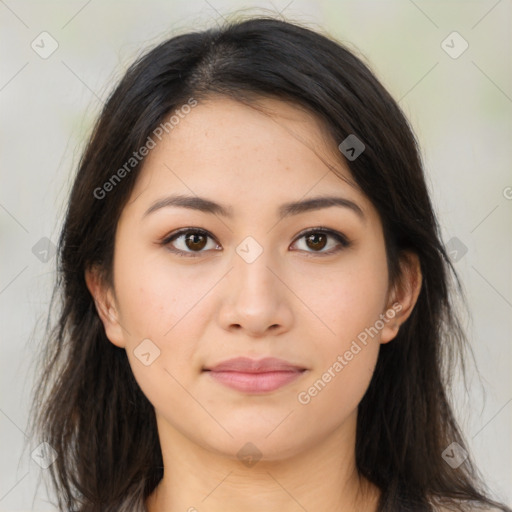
{"x": 248, "y": 365}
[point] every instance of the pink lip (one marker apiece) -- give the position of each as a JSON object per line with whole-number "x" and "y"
{"x": 255, "y": 376}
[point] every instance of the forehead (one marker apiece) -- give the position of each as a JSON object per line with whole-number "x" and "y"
{"x": 272, "y": 149}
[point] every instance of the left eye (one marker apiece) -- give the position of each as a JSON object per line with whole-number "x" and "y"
{"x": 317, "y": 240}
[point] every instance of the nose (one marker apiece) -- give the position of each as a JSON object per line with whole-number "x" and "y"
{"x": 255, "y": 299}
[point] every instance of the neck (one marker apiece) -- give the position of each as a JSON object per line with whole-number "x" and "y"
{"x": 321, "y": 477}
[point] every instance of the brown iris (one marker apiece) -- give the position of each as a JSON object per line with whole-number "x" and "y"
{"x": 195, "y": 241}
{"x": 316, "y": 240}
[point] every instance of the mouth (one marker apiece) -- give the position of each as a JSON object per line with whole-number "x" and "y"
{"x": 255, "y": 376}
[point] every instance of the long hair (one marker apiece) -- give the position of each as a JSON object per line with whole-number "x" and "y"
{"x": 87, "y": 405}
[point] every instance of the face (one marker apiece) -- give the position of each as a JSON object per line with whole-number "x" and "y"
{"x": 197, "y": 285}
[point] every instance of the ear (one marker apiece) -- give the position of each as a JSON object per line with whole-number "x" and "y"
{"x": 105, "y": 305}
{"x": 403, "y": 295}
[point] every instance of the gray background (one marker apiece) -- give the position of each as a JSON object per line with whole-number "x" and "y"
{"x": 459, "y": 105}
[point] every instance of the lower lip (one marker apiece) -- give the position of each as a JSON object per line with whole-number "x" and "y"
{"x": 255, "y": 382}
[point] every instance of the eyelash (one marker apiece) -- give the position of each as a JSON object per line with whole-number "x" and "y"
{"x": 339, "y": 237}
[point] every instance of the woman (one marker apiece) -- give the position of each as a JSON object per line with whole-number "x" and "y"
{"x": 256, "y": 311}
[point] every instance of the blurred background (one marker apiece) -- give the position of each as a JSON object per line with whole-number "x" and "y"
{"x": 449, "y": 65}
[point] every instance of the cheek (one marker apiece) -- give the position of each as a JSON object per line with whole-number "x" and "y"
{"x": 350, "y": 306}
{"x": 345, "y": 362}
{"x": 158, "y": 304}
{"x": 351, "y": 298}
{"x": 160, "y": 307}
{"x": 154, "y": 297}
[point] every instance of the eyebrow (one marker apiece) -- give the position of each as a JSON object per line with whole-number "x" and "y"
{"x": 285, "y": 210}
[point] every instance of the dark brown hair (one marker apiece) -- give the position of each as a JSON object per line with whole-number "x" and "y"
{"x": 87, "y": 404}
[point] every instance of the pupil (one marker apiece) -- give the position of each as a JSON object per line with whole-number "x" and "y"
{"x": 314, "y": 239}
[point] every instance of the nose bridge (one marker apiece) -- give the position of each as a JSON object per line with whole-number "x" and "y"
{"x": 254, "y": 283}
{"x": 254, "y": 299}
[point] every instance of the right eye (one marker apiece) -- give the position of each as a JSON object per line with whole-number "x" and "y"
{"x": 190, "y": 242}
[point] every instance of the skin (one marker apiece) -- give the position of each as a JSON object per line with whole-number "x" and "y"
{"x": 291, "y": 302}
